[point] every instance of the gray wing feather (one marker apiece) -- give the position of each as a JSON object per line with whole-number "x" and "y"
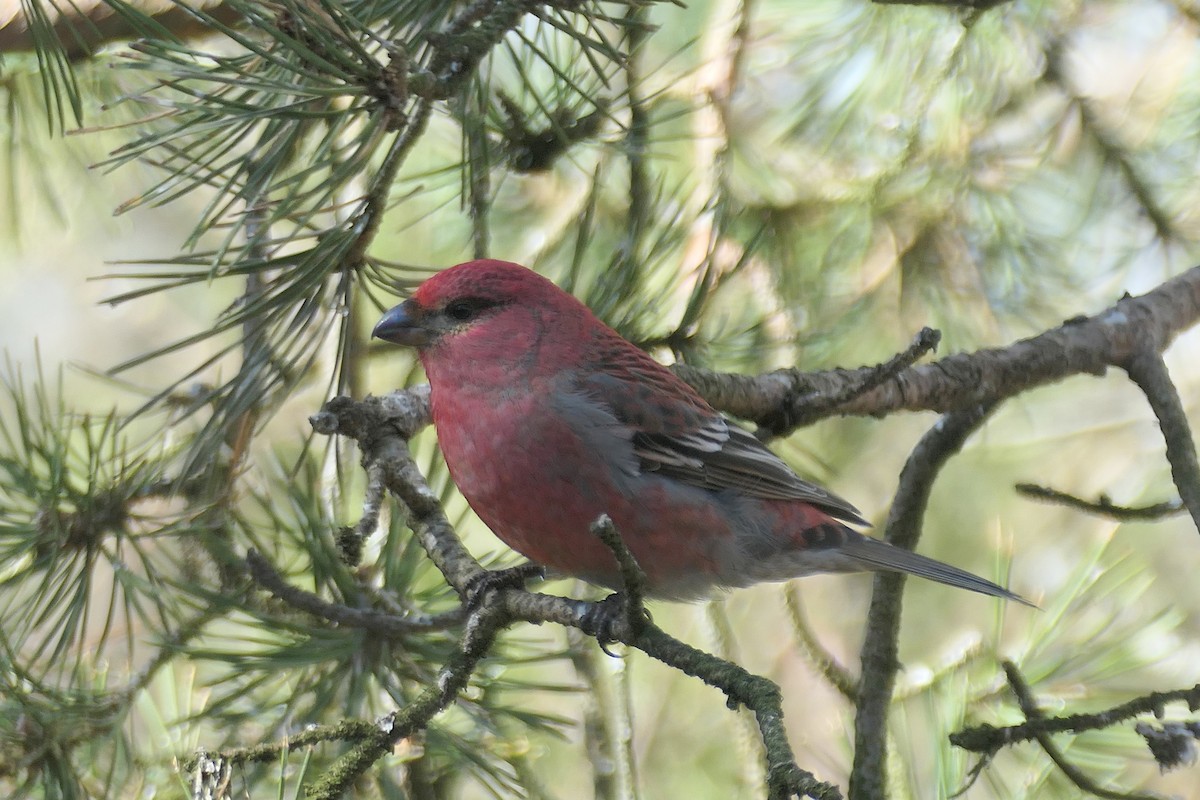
{"x": 673, "y": 432}
{"x": 721, "y": 455}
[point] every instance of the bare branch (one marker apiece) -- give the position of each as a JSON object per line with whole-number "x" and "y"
{"x": 880, "y": 659}
{"x": 350, "y": 542}
{"x": 1103, "y": 505}
{"x": 1147, "y": 369}
{"x": 825, "y": 662}
{"x": 383, "y": 623}
{"x": 633, "y": 580}
{"x": 1084, "y": 345}
{"x": 926, "y": 341}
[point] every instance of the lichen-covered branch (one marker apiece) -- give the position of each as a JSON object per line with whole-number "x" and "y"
{"x": 1039, "y": 727}
{"x": 784, "y": 399}
{"x": 989, "y": 738}
{"x": 863, "y": 381}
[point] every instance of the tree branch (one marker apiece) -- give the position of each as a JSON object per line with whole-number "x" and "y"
{"x": 863, "y": 381}
{"x": 383, "y": 623}
{"x": 783, "y": 400}
{"x": 1147, "y": 369}
{"x": 880, "y": 659}
{"x": 1039, "y": 727}
{"x": 1103, "y": 505}
{"x": 989, "y": 739}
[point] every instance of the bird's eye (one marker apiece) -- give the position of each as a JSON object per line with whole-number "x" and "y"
{"x": 460, "y": 311}
{"x": 464, "y": 310}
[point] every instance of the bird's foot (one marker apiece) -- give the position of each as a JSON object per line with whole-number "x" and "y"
{"x": 611, "y": 615}
{"x": 496, "y": 579}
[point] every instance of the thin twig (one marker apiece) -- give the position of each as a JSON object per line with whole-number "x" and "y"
{"x": 368, "y": 523}
{"x": 480, "y": 631}
{"x": 826, "y": 664}
{"x": 382, "y": 623}
{"x": 987, "y": 738}
{"x": 1029, "y": 707}
{"x": 863, "y": 381}
{"x": 1103, "y": 505}
{"x": 633, "y": 580}
{"x": 345, "y": 731}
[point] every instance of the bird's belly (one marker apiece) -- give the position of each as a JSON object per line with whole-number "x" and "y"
{"x": 539, "y": 487}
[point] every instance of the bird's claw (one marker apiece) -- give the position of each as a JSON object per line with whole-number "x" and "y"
{"x": 492, "y": 580}
{"x": 612, "y": 614}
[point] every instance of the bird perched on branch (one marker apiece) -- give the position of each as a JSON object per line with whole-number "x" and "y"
{"x": 548, "y": 418}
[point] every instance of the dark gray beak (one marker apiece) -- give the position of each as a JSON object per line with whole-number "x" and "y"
{"x": 403, "y": 325}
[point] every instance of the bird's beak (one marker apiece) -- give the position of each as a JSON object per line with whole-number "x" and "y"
{"x": 403, "y": 325}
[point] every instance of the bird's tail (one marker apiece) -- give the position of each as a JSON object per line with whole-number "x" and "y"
{"x": 878, "y": 556}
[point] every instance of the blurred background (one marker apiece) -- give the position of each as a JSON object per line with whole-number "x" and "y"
{"x": 737, "y": 185}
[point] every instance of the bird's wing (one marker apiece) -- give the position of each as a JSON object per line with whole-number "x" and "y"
{"x": 675, "y": 433}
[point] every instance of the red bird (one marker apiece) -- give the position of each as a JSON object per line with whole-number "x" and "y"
{"x": 548, "y": 419}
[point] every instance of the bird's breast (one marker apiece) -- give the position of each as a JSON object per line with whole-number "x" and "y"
{"x": 539, "y": 479}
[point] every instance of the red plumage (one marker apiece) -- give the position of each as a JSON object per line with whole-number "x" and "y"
{"x": 548, "y": 418}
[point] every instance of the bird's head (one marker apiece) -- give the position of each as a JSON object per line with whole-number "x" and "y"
{"x": 479, "y": 301}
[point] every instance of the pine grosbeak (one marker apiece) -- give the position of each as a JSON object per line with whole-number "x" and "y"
{"x": 548, "y": 419}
